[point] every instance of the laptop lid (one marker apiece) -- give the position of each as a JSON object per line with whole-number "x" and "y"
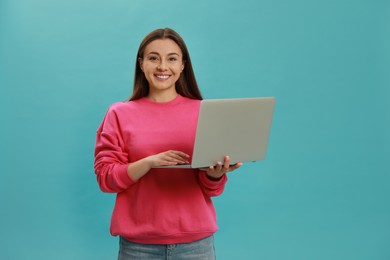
{"x": 238, "y": 127}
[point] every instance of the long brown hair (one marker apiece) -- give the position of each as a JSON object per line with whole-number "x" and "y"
{"x": 186, "y": 84}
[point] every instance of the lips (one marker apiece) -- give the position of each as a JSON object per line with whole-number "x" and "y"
{"x": 162, "y": 76}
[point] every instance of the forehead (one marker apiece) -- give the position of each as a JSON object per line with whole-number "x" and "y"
{"x": 163, "y": 47}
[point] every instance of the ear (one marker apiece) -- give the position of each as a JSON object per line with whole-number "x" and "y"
{"x": 141, "y": 63}
{"x": 183, "y": 65}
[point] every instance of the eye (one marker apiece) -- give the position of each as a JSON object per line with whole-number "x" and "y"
{"x": 152, "y": 58}
{"x": 172, "y": 59}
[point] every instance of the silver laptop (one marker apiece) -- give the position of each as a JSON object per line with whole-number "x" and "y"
{"x": 238, "y": 127}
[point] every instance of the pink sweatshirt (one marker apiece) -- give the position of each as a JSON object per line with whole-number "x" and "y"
{"x": 166, "y": 206}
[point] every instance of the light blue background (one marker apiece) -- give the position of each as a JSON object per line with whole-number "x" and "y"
{"x": 323, "y": 192}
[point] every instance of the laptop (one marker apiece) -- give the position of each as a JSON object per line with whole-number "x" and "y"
{"x": 238, "y": 127}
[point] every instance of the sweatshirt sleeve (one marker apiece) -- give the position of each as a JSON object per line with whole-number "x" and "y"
{"x": 111, "y": 159}
{"x": 212, "y": 188}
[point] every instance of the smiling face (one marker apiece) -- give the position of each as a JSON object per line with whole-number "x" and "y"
{"x": 162, "y": 65}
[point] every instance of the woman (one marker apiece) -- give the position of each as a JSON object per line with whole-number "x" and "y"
{"x": 159, "y": 212}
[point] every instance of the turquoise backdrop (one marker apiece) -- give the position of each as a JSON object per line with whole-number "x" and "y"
{"x": 322, "y": 193}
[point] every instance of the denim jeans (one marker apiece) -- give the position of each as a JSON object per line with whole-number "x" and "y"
{"x": 202, "y": 249}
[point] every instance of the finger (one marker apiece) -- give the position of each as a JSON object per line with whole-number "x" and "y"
{"x": 173, "y": 161}
{"x": 180, "y": 153}
{"x": 211, "y": 169}
{"x": 166, "y": 160}
{"x": 177, "y": 157}
{"x": 180, "y": 156}
{"x": 235, "y": 166}
{"x": 170, "y": 163}
{"x": 218, "y": 167}
{"x": 226, "y": 163}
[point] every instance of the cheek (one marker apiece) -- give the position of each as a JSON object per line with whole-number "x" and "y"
{"x": 178, "y": 70}
{"x": 147, "y": 70}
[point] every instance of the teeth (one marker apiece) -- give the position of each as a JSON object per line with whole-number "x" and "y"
{"x": 162, "y": 76}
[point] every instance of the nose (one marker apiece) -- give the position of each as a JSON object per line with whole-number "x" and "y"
{"x": 162, "y": 65}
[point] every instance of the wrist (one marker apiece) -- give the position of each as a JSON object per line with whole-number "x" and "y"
{"x": 148, "y": 161}
{"x": 138, "y": 169}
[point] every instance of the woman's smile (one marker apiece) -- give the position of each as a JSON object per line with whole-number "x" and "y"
{"x": 162, "y": 76}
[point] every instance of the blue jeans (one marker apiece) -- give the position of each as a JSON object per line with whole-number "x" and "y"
{"x": 202, "y": 249}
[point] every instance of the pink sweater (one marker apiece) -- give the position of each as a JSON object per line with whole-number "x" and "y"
{"x": 166, "y": 206}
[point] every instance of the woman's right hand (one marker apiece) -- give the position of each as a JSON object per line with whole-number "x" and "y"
{"x": 168, "y": 158}
{"x": 138, "y": 169}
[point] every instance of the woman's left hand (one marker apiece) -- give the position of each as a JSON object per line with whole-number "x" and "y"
{"x": 217, "y": 171}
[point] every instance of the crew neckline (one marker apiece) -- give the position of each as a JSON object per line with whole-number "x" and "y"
{"x": 176, "y": 100}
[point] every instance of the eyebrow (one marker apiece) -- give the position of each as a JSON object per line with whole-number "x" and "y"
{"x": 156, "y": 53}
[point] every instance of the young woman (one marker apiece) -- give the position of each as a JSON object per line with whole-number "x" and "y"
{"x": 159, "y": 212}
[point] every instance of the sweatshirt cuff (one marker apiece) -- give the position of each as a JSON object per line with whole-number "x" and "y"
{"x": 212, "y": 183}
{"x": 124, "y": 180}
